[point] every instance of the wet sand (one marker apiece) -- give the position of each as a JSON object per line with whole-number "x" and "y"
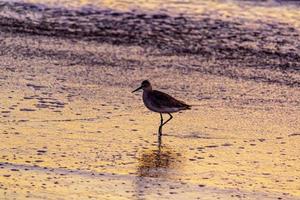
{"x": 72, "y": 129}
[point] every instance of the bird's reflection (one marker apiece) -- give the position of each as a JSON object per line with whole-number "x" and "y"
{"x": 157, "y": 162}
{"x": 160, "y": 163}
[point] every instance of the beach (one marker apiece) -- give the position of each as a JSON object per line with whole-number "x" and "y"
{"x": 72, "y": 129}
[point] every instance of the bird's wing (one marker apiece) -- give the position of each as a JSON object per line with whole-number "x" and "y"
{"x": 161, "y": 99}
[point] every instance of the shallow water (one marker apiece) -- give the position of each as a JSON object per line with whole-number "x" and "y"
{"x": 72, "y": 129}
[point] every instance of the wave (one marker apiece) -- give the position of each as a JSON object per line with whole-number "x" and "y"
{"x": 206, "y": 35}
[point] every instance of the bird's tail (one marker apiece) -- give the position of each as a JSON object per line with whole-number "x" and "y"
{"x": 189, "y": 107}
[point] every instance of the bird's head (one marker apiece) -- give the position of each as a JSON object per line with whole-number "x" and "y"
{"x": 146, "y": 85}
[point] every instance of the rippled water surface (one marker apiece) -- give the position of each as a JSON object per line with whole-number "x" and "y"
{"x": 211, "y": 28}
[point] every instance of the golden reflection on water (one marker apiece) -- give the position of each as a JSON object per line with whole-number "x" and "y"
{"x": 162, "y": 162}
{"x": 158, "y": 162}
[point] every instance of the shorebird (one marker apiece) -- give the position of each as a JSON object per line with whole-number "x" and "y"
{"x": 160, "y": 102}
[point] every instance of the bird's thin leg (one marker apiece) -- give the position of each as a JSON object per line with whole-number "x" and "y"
{"x": 160, "y": 126}
{"x": 171, "y": 117}
{"x": 161, "y": 119}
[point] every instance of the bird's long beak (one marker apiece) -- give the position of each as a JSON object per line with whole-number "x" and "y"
{"x": 137, "y": 89}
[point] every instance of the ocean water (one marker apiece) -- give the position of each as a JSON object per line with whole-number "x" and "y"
{"x": 266, "y": 31}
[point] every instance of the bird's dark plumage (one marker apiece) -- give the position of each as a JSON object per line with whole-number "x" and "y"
{"x": 161, "y": 100}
